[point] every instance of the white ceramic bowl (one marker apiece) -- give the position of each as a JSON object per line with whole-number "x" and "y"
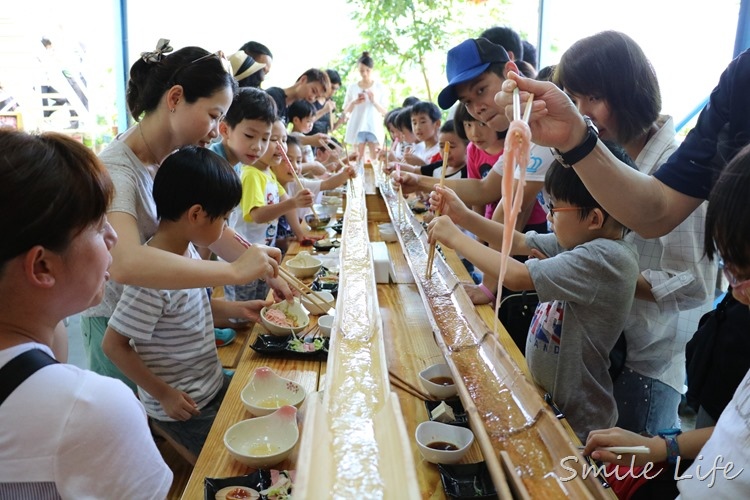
{"x": 294, "y": 309}
{"x": 429, "y": 379}
{"x": 387, "y": 232}
{"x": 325, "y": 323}
{"x": 303, "y": 265}
{"x": 438, "y": 433}
{"x": 264, "y": 441}
{"x": 316, "y": 307}
{"x": 267, "y": 391}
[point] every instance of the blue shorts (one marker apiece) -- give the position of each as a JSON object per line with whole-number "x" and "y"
{"x": 366, "y": 137}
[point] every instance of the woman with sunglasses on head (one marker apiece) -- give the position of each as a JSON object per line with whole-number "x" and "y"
{"x": 64, "y": 432}
{"x": 177, "y": 100}
{"x": 610, "y": 80}
{"x": 712, "y": 448}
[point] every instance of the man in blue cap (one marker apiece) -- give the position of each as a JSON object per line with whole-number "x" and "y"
{"x": 476, "y": 69}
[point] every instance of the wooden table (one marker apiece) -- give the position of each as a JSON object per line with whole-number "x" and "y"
{"x": 410, "y": 348}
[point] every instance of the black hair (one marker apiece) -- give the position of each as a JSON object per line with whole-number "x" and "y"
{"x": 366, "y": 59}
{"x": 292, "y": 140}
{"x": 51, "y": 188}
{"x": 611, "y": 66}
{"x": 505, "y": 37}
{"x": 198, "y": 72}
{"x": 255, "y": 80}
{"x": 251, "y": 104}
{"x": 526, "y": 69}
{"x": 728, "y": 214}
{"x": 334, "y": 76}
{"x": 316, "y": 75}
{"x": 529, "y": 53}
{"x": 256, "y": 48}
{"x": 300, "y": 109}
{"x": 448, "y": 127}
{"x": 195, "y": 175}
{"x": 403, "y": 119}
{"x": 546, "y": 74}
{"x": 426, "y": 108}
{"x": 563, "y": 184}
{"x": 390, "y": 117}
{"x": 410, "y": 101}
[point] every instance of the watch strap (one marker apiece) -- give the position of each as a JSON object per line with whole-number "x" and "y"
{"x": 578, "y": 153}
{"x": 673, "y": 449}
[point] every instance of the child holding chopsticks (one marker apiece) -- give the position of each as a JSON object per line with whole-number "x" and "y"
{"x": 163, "y": 340}
{"x": 264, "y": 200}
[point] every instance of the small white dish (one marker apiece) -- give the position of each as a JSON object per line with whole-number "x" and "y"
{"x": 304, "y": 265}
{"x": 325, "y": 323}
{"x": 443, "y": 443}
{"x": 267, "y": 391}
{"x": 293, "y": 310}
{"x": 264, "y": 441}
{"x": 314, "y": 306}
{"x": 435, "y": 380}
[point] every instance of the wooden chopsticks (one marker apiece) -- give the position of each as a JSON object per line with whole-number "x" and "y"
{"x": 408, "y": 387}
{"x": 302, "y": 288}
{"x": 431, "y": 253}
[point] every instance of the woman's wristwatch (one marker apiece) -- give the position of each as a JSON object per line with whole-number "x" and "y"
{"x": 578, "y": 153}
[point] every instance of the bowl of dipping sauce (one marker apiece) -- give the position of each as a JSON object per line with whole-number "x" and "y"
{"x": 268, "y": 391}
{"x": 264, "y": 441}
{"x": 441, "y": 443}
{"x": 438, "y": 381}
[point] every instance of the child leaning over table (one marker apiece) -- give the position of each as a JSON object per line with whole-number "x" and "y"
{"x": 264, "y": 201}
{"x": 585, "y": 285}
{"x": 163, "y": 340}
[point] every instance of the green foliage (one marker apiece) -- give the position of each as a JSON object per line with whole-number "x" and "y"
{"x": 408, "y": 40}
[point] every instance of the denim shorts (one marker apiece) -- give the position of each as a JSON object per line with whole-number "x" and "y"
{"x": 363, "y": 137}
{"x": 645, "y": 404}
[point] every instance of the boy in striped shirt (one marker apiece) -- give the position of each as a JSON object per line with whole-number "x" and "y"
{"x": 163, "y": 340}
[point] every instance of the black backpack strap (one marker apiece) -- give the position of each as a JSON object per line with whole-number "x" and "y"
{"x": 20, "y": 368}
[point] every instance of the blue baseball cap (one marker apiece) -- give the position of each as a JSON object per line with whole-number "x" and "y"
{"x": 466, "y": 61}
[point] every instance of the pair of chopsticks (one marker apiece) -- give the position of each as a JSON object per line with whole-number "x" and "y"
{"x": 305, "y": 290}
{"x": 408, "y": 387}
{"x": 294, "y": 173}
{"x": 431, "y": 254}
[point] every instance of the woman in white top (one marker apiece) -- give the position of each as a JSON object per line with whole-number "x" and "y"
{"x": 64, "y": 432}
{"x": 177, "y": 100}
{"x": 365, "y": 103}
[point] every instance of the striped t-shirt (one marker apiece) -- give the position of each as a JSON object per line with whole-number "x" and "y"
{"x": 173, "y": 333}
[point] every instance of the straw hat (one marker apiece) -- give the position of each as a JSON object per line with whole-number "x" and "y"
{"x": 243, "y": 65}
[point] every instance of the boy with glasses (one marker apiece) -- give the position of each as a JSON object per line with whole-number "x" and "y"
{"x": 585, "y": 276}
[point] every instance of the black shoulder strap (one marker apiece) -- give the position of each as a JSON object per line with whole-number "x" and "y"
{"x": 20, "y": 368}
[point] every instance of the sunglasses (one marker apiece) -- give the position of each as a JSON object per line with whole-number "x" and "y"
{"x": 222, "y": 59}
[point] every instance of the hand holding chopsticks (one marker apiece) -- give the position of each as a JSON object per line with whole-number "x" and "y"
{"x": 302, "y": 288}
{"x": 294, "y": 173}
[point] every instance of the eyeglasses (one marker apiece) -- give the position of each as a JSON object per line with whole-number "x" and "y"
{"x": 736, "y": 284}
{"x": 551, "y": 208}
